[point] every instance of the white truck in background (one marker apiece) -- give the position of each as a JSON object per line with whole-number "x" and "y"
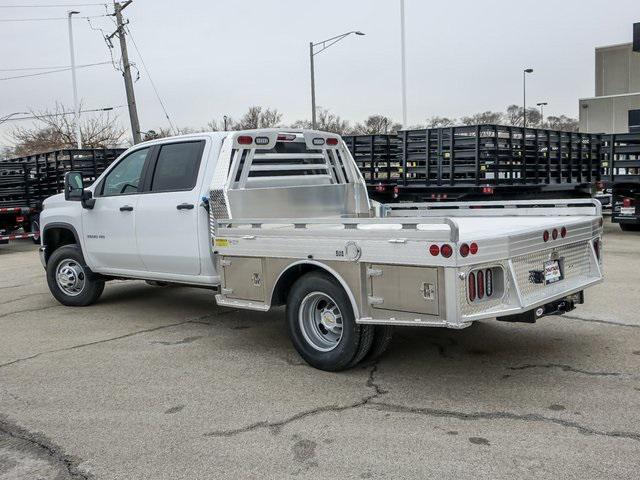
{"x": 271, "y": 217}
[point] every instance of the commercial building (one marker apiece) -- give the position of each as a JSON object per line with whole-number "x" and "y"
{"x": 616, "y": 105}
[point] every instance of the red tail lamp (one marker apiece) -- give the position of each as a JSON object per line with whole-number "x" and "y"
{"x": 446, "y": 251}
{"x": 245, "y": 140}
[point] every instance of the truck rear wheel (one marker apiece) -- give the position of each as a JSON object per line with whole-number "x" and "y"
{"x": 322, "y": 325}
{"x": 382, "y": 336}
{"x": 70, "y": 280}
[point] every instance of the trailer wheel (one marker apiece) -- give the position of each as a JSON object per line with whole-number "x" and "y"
{"x": 322, "y": 325}
{"x": 630, "y": 227}
{"x": 70, "y": 280}
{"x": 34, "y": 228}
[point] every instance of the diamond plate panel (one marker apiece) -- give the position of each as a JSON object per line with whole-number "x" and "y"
{"x": 577, "y": 266}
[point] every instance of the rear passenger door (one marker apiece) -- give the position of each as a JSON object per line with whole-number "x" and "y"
{"x": 168, "y": 213}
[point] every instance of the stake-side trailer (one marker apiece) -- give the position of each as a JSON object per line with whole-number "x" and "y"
{"x": 270, "y": 217}
{"x": 25, "y": 182}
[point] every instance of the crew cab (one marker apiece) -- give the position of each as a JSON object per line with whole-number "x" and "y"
{"x": 281, "y": 217}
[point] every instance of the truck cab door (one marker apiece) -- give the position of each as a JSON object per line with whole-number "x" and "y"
{"x": 168, "y": 215}
{"x": 109, "y": 227}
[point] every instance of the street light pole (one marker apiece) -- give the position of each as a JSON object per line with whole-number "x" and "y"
{"x": 312, "y": 53}
{"x": 313, "y": 87}
{"x": 524, "y": 94}
{"x": 404, "y": 64}
{"x": 542, "y": 105}
{"x": 76, "y": 106}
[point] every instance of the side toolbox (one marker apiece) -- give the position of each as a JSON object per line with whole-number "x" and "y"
{"x": 403, "y": 288}
{"x": 243, "y": 278}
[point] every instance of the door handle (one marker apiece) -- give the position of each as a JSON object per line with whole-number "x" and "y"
{"x": 185, "y": 206}
{"x": 126, "y": 208}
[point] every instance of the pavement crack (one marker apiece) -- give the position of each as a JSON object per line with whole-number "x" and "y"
{"x": 567, "y": 368}
{"x": 526, "y": 417}
{"x": 97, "y": 342}
{"x": 275, "y": 426}
{"x": 599, "y": 320}
{"x": 27, "y": 310}
{"x": 45, "y": 446}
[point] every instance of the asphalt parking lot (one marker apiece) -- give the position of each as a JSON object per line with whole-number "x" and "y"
{"x": 155, "y": 383}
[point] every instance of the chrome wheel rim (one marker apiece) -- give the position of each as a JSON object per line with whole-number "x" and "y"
{"x": 320, "y": 321}
{"x": 70, "y": 277}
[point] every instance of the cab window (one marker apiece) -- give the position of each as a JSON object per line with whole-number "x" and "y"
{"x": 125, "y": 177}
{"x": 177, "y": 167}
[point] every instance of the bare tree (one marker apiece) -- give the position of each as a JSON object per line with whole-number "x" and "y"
{"x": 257, "y": 117}
{"x": 515, "y": 116}
{"x": 56, "y": 129}
{"x": 481, "y": 118}
{"x": 439, "y": 122}
{"x": 376, "y": 124}
{"x": 327, "y": 122}
{"x": 562, "y": 122}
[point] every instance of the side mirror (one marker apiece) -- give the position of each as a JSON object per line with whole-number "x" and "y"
{"x": 73, "y": 186}
{"x": 75, "y": 192}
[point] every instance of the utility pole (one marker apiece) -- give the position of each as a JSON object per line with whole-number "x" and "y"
{"x": 313, "y": 87}
{"x": 126, "y": 69}
{"x": 76, "y": 105}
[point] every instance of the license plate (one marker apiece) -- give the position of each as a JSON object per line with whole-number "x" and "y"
{"x": 552, "y": 271}
{"x": 627, "y": 210}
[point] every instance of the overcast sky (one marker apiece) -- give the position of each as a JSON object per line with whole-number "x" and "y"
{"x": 209, "y": 58}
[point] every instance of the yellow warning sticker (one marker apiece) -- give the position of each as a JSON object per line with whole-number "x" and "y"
{"x": 221, "y": 242}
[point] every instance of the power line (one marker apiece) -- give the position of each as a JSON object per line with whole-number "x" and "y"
{"x": 66, "y": 69}
{"x": 54, "y": 5}
{"x": 107, "y": 109}
{"x": 144, "y": 65}
{"x": 44, "y": 19}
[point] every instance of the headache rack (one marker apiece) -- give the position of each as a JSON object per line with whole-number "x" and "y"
{"x": 471, "y": 161}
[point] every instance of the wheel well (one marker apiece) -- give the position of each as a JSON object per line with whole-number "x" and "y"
{"x": 56, "y": 237}
{"x": 288, "y": 278}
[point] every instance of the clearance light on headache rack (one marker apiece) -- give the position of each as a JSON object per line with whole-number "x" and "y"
{"x": 245, "y": 140}
{"x": 262, "y": 140}
{"x": 286, "y": 138}
{"x": 318, "y": 141}
{"x": 332, "y": 141}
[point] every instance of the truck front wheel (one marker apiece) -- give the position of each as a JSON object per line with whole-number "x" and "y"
{"x": 322, "y": 325}
{"x": 70, "y": 280}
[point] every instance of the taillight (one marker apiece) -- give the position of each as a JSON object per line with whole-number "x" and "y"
{"x": 446, "y": 251}
{"x": 487, "y": 190}
{"x": 19, "y": 219}
{"x": 396, "y": 192}
{"x": 434, "y": 250}
{"x": 380, "y": 188}
{"x": 332, "y": 141}
{"x": 627, "y": 202}
{"x": 245, "y": 140}
{"x": 545, "y": 236}
{"x": 489, "y": 282}
{"x": 554, "y": 235}
{"x": 480, "y": 285}
{"x": 473, "y": 248}
{"x": 464, "y": 249}
{"x": 563, "y": 232}
{"x": 472, "y": 286}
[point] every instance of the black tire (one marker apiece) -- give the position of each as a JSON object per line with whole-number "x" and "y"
{"x": 92, "y": 285}
{"x": 630, "y": 227}
{"x": 355, "y": 340}
{"x": 382, "y": 337}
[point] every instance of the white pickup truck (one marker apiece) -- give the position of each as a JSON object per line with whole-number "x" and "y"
{"x": 269, "y": 217}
